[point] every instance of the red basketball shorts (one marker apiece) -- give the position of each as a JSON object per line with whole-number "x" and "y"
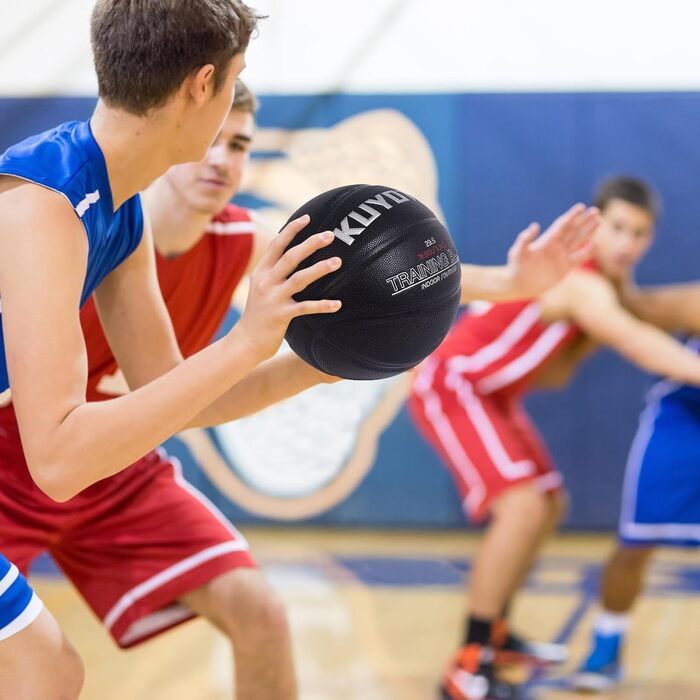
{"x": 487, "y": 441}
{"x": 132, "y": 544}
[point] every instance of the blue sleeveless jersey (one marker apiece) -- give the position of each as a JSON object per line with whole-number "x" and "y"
{"x": 69, "y": 161}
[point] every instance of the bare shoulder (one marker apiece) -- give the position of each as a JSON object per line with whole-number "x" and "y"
{"x": 577, "y": 288}
{"x": 588, "y": 282}
{"x": 26, "y": 201}
{"x": 36, "y": 223}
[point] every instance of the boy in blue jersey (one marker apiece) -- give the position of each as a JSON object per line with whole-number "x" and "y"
{"x": 71, "y": 224}
{"x": 661, "y": 495}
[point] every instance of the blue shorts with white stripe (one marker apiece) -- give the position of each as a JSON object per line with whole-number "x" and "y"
{"x": 19, "y": 605}
{"x": 661, "y": 498}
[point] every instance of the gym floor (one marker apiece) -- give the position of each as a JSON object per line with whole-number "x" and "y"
{"x": 376, "y": 615}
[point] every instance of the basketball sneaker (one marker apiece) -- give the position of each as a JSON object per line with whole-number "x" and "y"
{"x": 470, "y": 676}
{"x": 510, "y": 648}
{"x": 601, "y": 670}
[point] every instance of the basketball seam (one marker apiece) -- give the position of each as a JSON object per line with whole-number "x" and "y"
{"x": 361, "y": 361}
{"x": 319, "y": 337}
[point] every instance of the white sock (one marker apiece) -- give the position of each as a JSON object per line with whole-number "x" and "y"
{"x": 609, "y": 623}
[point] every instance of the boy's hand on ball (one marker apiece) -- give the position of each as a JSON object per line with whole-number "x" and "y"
{"x": 270, "y": 305}
{"x": 537, "y": 263}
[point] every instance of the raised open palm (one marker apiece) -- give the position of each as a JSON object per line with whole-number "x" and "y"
{"x": 539, "y": 262}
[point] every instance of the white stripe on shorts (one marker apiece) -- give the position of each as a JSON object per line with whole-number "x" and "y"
{"x": 238, "y": 543}
{"x": 486, "y": 430}
{"x": 167, "y": 575}
{"x": 197, "y": 494}
{"x": 155, "y": 622}
{"x": 660, "y": 531}
{"x": 634, "y": 464}
{"x": 549, "y": 482}
{"x": 449, "y": 440}
{"x": 629, "y": 527}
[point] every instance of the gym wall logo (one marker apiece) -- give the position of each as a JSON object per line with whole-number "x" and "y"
{"x": 302, "y": 456}
{"x": 305, "y": 455}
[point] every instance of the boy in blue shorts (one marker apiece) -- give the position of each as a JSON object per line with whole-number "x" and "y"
{"x": 661, "y": 495}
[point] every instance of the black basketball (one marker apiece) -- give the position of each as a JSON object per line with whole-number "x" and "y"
{"x": 399, "y": 283}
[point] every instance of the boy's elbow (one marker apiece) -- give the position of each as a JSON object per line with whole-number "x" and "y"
{"x": 50, "y": 478}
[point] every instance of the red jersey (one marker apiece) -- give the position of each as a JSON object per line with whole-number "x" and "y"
{"x": 499, "y": 347}
{"x": 197, "y": 287}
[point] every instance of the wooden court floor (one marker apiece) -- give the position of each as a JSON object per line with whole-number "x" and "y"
{"x": 376, "y": 615}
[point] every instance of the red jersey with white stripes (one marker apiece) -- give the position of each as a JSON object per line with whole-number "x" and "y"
{"x": 197, "y": 287}
{"x": 499, "y": 347}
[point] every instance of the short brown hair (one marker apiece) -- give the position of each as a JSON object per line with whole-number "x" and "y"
{"x": 631, "y": 190}
{"x": 145, "y": 49}
{"x": 245, "y": 100}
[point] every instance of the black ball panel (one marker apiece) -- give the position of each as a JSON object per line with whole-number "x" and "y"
{"x": 399, "y": 283}
{"x": 358, "y": 349}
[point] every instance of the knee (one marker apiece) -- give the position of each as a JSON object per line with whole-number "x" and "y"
{"x": 632, "y": 557}
{"x": 40, "y": 662}
{"x": 263, "y": 623}
{"x": 70, "y": 673}
{"x": 530, "y": 507}
{"x": 558, "y": 506}
{"x": 270, "y": 619}
{"x": 257, "y": 617}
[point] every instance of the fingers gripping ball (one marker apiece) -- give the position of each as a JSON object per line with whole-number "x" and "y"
{"x": 399, "y": 283}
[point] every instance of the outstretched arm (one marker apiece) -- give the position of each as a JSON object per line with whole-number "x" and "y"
{"x": 673, "y": 307}
{"x": 273, "y": 381}
{"x": 592, "y": 303}
{"x": 534, "y": 263}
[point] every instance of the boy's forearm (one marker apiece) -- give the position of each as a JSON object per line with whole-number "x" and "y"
{"x": 99, "y": 439}
{"x": 659, "y": 353}
{"x": 487, "y": 283}
{"x": 672, "y": 307}
{"x": 273, "y": 381}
